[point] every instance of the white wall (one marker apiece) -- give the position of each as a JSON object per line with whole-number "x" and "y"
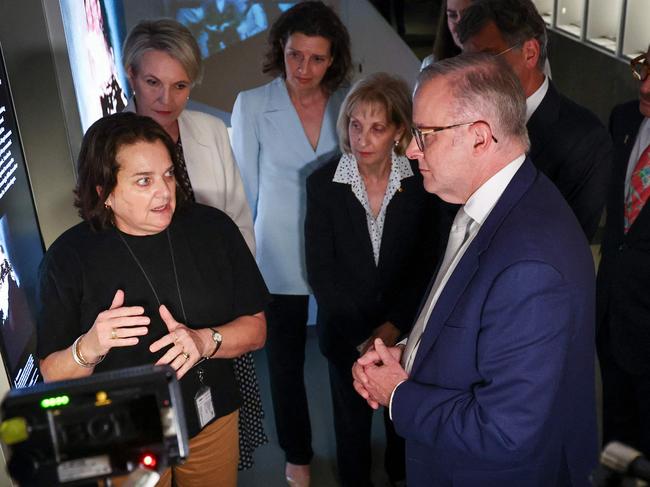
{"x": 375, "y": 44}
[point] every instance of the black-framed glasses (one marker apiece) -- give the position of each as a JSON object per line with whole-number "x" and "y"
{"x": 420, "y": 132}
{"x": 640, "y": 68}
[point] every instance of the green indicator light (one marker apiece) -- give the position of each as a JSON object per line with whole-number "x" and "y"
{"x": 53, "y": 402}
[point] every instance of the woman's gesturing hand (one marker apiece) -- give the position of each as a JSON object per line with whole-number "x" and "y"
{"x": 118, "y": 326}
{"x": 187, "y": 345}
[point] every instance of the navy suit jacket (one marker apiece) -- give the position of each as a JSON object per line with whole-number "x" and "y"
{"x": 570, "y": 145}
{"x": 501, "y": 392}
{"x": 624, "y": 272}
{"x": 354, "y": 295}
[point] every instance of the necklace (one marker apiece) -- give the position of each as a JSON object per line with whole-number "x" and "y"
{"x": 144, "y": 273}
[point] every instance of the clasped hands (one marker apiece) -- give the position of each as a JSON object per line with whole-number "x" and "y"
{"x": 377, "y": 372}
{"x": 120, "y": 326}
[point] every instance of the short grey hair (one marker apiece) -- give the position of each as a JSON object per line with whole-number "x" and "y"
{"x": 165, "y": 35}
{"x": 384, "y": 90}
{"x": 483, "y": 87}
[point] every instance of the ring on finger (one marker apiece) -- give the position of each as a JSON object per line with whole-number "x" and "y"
{"x": 113, "y": 334}
{"x": 186, "y": 355}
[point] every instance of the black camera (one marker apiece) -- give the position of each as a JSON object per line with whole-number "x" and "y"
{"x": 106, "y": 425}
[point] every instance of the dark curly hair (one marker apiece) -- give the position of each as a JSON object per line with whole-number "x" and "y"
{"x": 312, "y": 18}
{"x": 97, "y": 165}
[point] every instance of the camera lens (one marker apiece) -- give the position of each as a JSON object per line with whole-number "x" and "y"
{"x": 101, "y": 428}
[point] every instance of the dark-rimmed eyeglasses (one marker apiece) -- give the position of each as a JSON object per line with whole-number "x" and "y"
{"x": 640, "y": 68}
{"x": 420, "y": 132}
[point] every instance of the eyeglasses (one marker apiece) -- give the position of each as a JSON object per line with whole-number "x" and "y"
{"x": 507, "y": 50}
{"x": 420, "y": 132}
{"x": 640, "y": 68}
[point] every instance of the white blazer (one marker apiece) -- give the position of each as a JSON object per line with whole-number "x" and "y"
{"x": 212, "y": 169}
{"x": 275, "y": 158}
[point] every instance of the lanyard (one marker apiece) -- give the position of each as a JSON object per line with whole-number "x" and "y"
{"x": 171, "y": 252}
{"x": 199, "y": 370}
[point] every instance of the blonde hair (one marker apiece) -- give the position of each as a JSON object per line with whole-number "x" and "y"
{"x": 165, "y": 35}
{"x": 387, "y": 91}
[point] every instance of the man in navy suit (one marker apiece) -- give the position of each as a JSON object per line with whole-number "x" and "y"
{"x": 624, "y": 275}
{"x": 567, "y": 142}
{"x": 495, "y": 384}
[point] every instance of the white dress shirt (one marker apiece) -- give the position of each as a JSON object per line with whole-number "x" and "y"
{"x": 534, "y": 100}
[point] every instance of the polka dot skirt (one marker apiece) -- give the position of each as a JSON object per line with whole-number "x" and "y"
{"x": 251, "y": 413}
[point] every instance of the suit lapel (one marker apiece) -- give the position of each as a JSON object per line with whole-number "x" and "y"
{"x": 281, "y": 114}
{"x": 392, "y": 224}
{"x": 469, "y": 263}
{"x": 195, "y": 150}
{"x": 625, "y": 142}
{"x": 357, "y": 219}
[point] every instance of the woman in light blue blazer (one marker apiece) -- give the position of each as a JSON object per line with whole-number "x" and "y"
{"x": 281, "y": 132}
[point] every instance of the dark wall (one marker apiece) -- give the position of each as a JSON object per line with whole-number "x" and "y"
{"x": 590, "y": 77}
{"x": 31, "y": 69}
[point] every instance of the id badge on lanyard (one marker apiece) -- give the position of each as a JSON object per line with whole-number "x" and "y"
{"x": 203, "y": 400}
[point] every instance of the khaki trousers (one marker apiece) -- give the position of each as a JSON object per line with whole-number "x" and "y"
{"x": 214, "y": 454}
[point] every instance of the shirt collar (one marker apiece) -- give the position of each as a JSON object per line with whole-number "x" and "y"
{"x": 534, "y": 100}
{"x": 480, "y": 204}
{"x": 347, "y": 171}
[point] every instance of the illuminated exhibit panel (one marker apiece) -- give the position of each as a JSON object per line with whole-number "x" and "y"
{"x": 603, "y": 23}
{"x": 570, "y": 15}
{"x": 637, "y": 19}
{"x": 218, "y": 24}
{"x": 94, "y": 32}
{"x": 545, "y": 9}
{"x": 21, "y": 250}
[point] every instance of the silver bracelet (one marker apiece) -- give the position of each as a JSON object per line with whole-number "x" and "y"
{"x": 79, "y": 358}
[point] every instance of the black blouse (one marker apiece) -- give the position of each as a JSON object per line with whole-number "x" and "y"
{"x": 217, "y": 276}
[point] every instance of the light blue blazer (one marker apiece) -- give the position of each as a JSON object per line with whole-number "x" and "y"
{"x": 275, "y": 158}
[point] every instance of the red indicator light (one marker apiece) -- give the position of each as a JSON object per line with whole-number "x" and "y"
{"x": 148, "y": 460}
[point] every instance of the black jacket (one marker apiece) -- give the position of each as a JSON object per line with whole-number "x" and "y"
{"x": 623, "y": 291}
{"x": 354, "y": 295}
{"x": 573, "y": 149}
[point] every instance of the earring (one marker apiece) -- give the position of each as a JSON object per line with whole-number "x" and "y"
{"x": 396, "y": 143}
{"x": 107, "y": 206}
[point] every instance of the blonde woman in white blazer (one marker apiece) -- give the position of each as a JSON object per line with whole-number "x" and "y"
{"x": 163, "y": 62}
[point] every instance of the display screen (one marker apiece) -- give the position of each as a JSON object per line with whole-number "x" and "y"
{"x": 218, "y": 24}
{"x": 94, "y": 33}
{"x": 21, "y": 250}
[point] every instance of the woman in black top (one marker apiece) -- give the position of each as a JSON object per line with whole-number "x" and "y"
{"x": 148, "y": 279}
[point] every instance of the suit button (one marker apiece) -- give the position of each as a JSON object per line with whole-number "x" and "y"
{"x": 622, "y": 247}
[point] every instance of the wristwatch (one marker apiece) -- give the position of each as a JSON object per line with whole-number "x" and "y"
{"x": 216, "y": 336}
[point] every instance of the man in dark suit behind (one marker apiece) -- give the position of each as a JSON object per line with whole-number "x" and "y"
{"x": 624, "y": 275}
{"x": 495, "y": 384}
{"x": 567, "y": 142}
